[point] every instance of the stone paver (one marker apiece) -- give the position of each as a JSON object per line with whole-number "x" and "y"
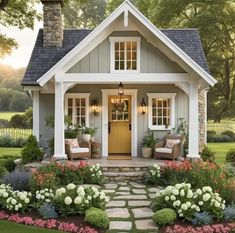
{"x": 138, "y": 191}
{"x": 124, "y": 188}
{"x": 90, "y": 185}
{"x": 122, "y": 183}
{"x": 131, "y": 197}
{"x": 137, "y": 185}
{"x": 122, "y": 193}
{"x": 147, "y": 224}
{"x": 120, "y": 225}
{"x": 117, "y": 213}
{"x": 152, "y": 195}
{"x": 139, "y": 203}
{"x": 110, "y": 186}
{"x": 116, "y": 204}
{"x": 144, "y": 212}
{"x": 108, "y": 190}
{"x": 154, "y": 190}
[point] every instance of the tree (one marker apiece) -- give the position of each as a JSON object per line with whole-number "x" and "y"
{"x": 15, "y": 13}
{"x": 84, "y": 13}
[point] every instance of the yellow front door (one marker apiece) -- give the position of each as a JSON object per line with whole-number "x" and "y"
{"x": 119, "y": 126}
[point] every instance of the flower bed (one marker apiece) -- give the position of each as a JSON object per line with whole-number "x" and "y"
{"x": 56, "y": 174}
{"x": 49, "y": 224}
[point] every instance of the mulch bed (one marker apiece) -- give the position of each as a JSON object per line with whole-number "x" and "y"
{"x": 78, "y": 220}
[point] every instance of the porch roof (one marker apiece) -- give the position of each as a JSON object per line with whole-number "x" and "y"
{"x": 43, "y": 59}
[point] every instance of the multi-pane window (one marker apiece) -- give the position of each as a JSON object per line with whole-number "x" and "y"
{"x": 120, "y": 115}
{"x": 161, "y": 113}
{"x": 76, "y": 107}
{"x": 125, "y": 54}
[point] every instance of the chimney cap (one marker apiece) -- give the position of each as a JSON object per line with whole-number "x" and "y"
{"x": 50, "y": 1}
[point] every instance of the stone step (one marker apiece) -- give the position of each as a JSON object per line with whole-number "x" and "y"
{"x": 125, "y": 176}
{"x": 123, "y": 169}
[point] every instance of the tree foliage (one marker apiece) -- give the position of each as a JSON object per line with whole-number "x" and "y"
{"x": 84, "y": 13}
{"x": 15, "y": 13}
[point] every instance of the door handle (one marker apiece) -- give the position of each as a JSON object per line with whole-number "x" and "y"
{"x": 129, "y": 127}
{"x": 109, "y": 127}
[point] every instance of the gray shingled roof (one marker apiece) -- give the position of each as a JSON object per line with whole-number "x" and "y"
{"x": 42, "y": 59}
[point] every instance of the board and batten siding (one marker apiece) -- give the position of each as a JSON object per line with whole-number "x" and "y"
{"x": 47, "y": 109}
{"x": 152, "y": 60}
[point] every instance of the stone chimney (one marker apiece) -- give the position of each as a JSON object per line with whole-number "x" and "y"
{"x": 52, "y": 23}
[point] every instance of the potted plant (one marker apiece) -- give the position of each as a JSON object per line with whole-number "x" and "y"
{"x": 148, "y": 144}
{"x": 87, "y": 133}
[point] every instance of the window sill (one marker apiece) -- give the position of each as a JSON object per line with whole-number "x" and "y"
{"x": 160, "y": 128}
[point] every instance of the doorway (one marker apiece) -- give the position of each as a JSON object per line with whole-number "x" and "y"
{"x": 119, "y": 126}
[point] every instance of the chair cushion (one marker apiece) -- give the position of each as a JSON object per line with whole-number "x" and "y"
{"x": 79, "y": 150}
{"x": 171, "y": 142}
{"x": 164, "y": 150}
{"x": 73, "y": 143}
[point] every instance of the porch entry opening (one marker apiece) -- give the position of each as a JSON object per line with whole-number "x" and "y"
{"x": 119, "y": 126}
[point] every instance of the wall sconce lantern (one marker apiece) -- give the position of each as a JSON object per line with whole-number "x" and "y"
{"x": 143, "y": 107}
{"x": 120, "y": 89}
{"x": 95, "y": 108}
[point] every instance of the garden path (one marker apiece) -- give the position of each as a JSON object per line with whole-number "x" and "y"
{"x": 129, "y": 208}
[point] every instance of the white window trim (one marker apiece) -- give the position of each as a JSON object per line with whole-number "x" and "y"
{"x": 78, "y": 95}
{"x": 112, "y": 53}
{"x": 172, "y": 109}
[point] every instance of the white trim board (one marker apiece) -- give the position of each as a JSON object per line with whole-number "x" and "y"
{"x": 104, "y": 29}
{"x": 105, "y": 94}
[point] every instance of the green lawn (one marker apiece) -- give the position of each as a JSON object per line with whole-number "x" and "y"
{"x": 8, "y": 227}
{"x": 221, "y": 149}
{"x": 10, "y": 151}
{"x": 8, "y": 115}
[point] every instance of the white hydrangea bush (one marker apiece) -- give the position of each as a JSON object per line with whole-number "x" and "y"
{"x": 43, "y": 196}
{"x": 153, "y": 175}
{"x": 18, "y": 201}
{"x": 186, "y": 201}
{"x": 93, "y": 174}
{"x": 74, "y": 199}
{"x": 5, "y": 191}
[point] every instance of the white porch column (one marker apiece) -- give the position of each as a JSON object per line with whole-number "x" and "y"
{"x": 193, "y": 150}
{"x": 36, "y": 114}
{"x": 59, "y": 153}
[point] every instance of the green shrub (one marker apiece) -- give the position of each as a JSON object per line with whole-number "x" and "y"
{"x": 207, "y": 154}
{"x": 211, "y": 132}
{"x": 6, "y": 141}
{"x": 31, "y": 152}
{"x": 224, "y": 138}
{"x": 18, "y": 121}
{"x": 230, "y": 156}
{"x": 9, "y": 164}
{"x": 3, "y": 171}
{"x": 97, "y": 218}
{"x": 164, "y": 216}
{"x": 229, "y": 133}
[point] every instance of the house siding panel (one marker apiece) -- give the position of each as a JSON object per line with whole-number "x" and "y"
{"x": 152, "y": 60}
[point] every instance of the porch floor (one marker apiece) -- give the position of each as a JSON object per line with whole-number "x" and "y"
{"x": 134, "y": 162}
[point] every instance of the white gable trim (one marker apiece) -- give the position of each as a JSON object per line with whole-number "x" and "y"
{"x": 94, "y": 39}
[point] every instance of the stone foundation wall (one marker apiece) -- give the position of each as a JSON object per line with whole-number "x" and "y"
{"x": 52, "y": 24}
{"x": 202, "y": 119}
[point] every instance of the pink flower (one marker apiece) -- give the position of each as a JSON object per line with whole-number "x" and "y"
{"x": 69, "y": 227}
{"x": 52, "y": 223}
{"x": 3, "y": 215}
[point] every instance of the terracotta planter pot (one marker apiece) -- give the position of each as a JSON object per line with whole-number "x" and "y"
{"x": 146, "y": 152}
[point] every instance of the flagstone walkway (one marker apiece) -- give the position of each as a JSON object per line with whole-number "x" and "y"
{"x": 129, "y": 208}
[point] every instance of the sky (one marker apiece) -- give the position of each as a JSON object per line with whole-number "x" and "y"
{"x": 25, "y": 39}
